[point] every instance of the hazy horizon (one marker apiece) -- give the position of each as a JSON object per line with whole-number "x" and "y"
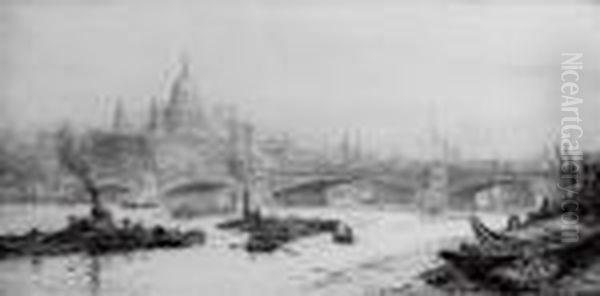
{"x": 387, "y": 70}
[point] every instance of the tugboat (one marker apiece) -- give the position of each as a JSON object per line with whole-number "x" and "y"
{"x": 96, "y": 233}
{"x": 343, "y": 234}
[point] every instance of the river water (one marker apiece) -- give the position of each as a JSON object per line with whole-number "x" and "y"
{"x": 392, "y": 248}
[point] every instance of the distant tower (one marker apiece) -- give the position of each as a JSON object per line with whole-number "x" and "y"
{"x": 346, "y": 148}
{"x": 434, "y": 197}
{"x": 357, "y": 152}
{"x": 153, "y": 120}
{"x": 119, "y": 121}
{"x": 551, "y": 152}
{"x": 183, "y": 112}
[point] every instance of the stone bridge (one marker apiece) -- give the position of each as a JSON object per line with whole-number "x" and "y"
{"x": 462, "y": 184}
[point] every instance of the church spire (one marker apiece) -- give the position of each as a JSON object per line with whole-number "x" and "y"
{"x": 119, "y": 121}
{"x": 184, "y": 61}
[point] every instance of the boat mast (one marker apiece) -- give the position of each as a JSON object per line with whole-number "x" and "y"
{"x": 240, "y": 161}
{"x": 247, "y": 160}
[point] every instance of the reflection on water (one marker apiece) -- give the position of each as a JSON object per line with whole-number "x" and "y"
{"x": 392, "y": 247}
{"x": 94, "y": 276}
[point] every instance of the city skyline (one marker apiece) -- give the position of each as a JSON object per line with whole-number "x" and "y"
{"x": 313, "y": 70}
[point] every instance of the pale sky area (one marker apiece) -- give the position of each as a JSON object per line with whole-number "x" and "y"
{"x": 488, "y": 74}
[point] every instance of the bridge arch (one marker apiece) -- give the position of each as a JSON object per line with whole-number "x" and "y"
{"x": 498, "y": 192}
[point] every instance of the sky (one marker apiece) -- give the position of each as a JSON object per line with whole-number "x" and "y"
{"x": 485, "y": 74}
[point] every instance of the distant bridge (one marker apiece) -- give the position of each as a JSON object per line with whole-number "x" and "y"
{"x": 311, "y": 185}
{"x": 463, "y": 182}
